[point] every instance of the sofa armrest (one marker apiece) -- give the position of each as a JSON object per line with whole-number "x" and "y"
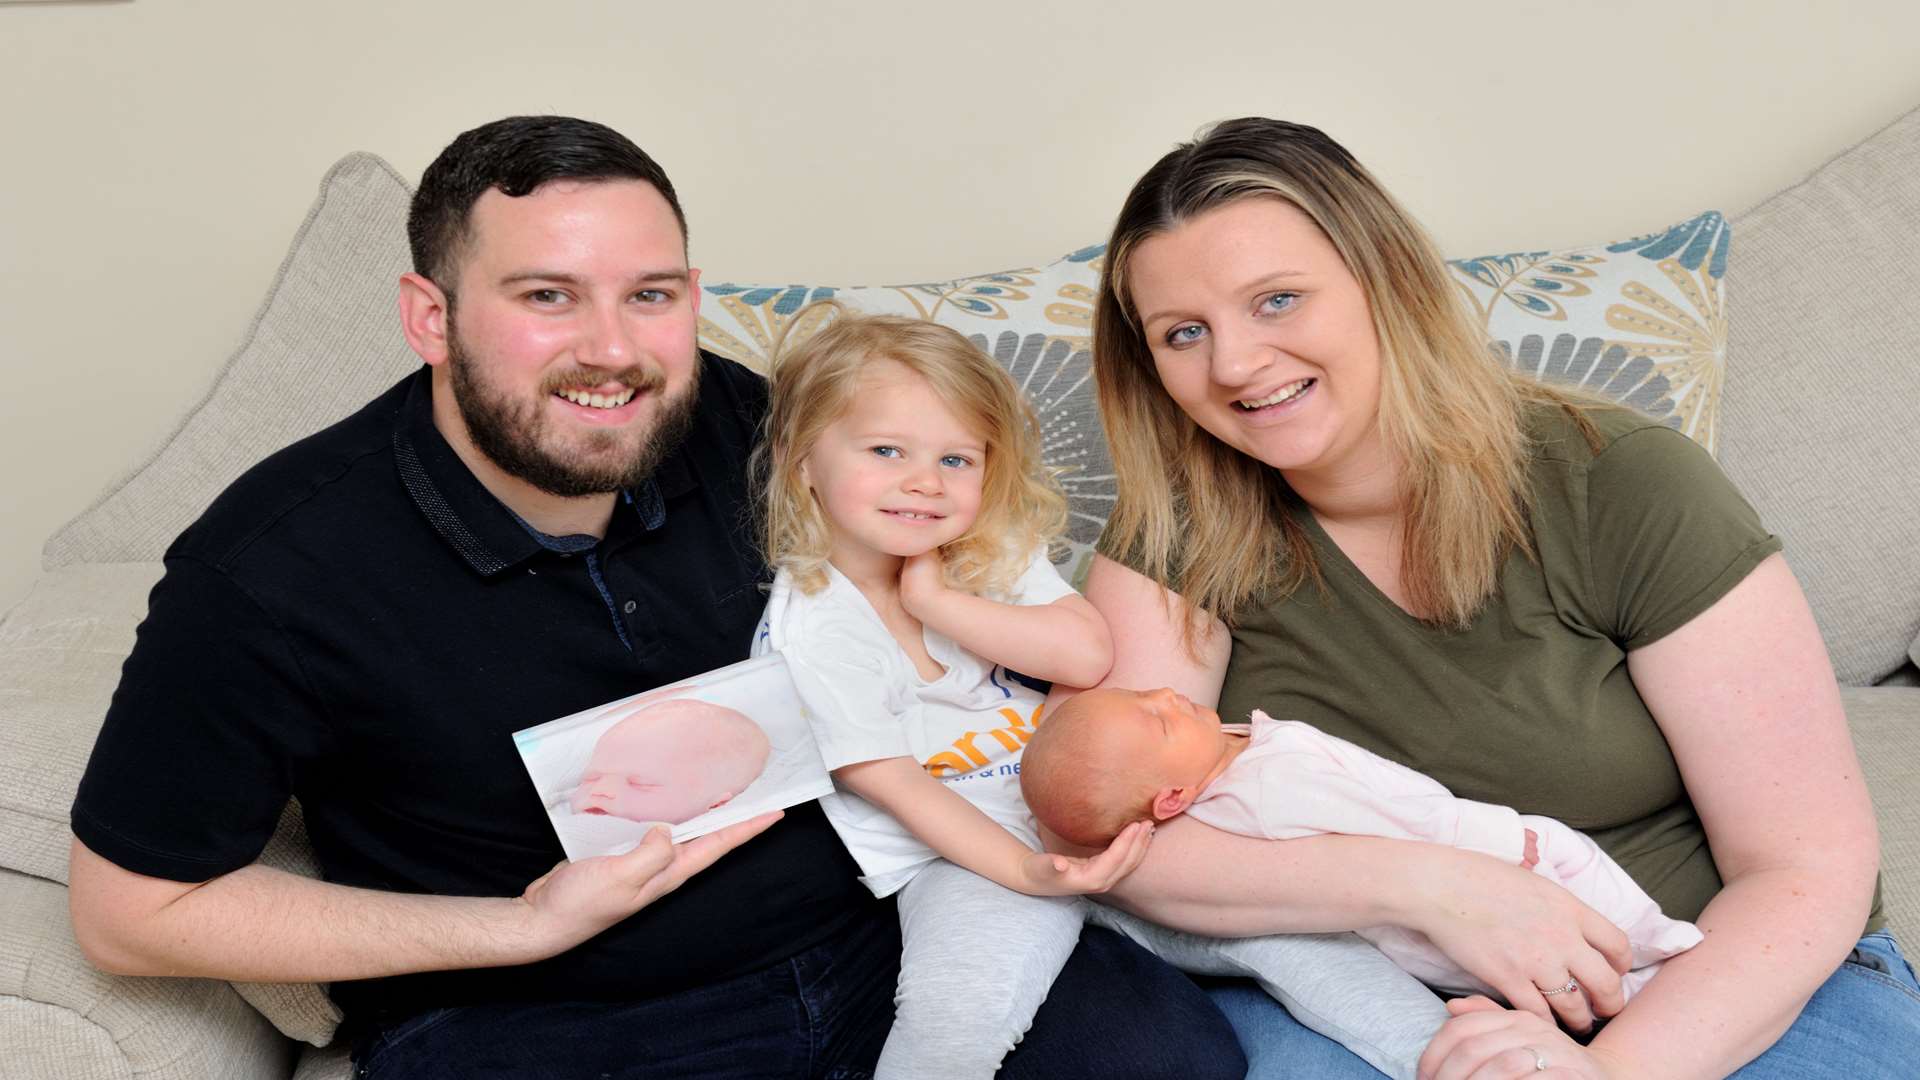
{"x": 59, "y": 1016}
{"x": 60, "y": 654}
{"x": 1885, "y": 721}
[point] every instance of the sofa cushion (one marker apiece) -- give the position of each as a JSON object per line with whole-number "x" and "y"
{"x": 60, "y": 655}
{"x": 1818, "y": 427}
{"x": 1885, "y": 721}
{"x": 60, "y": 1017}
{"x": 324, "y": 341}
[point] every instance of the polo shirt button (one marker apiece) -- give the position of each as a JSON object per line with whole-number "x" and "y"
{"x": 629, "y": 607}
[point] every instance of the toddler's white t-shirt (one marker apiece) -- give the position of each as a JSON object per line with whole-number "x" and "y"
{"x": 865, "y": 701}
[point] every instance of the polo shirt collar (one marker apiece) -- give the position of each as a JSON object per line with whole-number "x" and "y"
{"x": 478, "y": 526}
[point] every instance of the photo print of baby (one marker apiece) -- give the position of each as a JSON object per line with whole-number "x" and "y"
{"x": 697, "y": 755}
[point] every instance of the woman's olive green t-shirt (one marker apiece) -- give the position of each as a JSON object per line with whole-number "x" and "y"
{"x": 1531, "y": 706}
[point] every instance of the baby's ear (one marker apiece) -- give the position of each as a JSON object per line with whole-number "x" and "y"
{"x": 1171, "y": 802}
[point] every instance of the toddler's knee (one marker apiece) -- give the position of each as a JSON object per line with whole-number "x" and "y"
{"x": 937, "y": 1038}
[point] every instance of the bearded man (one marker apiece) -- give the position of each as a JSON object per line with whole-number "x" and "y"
{"x": 545, "y": 517}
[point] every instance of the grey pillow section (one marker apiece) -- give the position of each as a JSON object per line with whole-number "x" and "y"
{"x": 324, "y": 342}
{"x": 1823, "y": 377}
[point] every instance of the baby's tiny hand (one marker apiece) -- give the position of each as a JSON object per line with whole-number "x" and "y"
{"x": 1530, "y": 857}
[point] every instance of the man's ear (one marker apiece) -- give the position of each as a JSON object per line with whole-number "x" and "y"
{"x": 423, "y": 317}
{"x": 1171, "y": 802}
{"x": 693, "y": 287}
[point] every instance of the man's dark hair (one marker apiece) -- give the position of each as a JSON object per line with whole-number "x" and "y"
{"x": 516, "y": 155}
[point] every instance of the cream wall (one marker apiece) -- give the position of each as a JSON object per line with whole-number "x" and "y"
{"x": 158, "y": 155}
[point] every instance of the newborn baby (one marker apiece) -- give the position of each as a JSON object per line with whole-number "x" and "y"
{"x": 1109, "y": 757}
{"x": 671, "y": 761}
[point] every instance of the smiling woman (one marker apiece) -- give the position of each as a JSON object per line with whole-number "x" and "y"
{"x": 1337, "y": 506}
{"x": 1300, "y": 317}
{"x": 1255, "y": 280}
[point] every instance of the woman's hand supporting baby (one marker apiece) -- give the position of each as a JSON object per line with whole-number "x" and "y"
{"x": 1520, "y": 933}
{"x": 1485, "y": 1039}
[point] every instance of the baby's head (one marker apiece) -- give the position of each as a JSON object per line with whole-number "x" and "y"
{"x": 1107, "y": 758}
{"x": 860, "y": 370}
{"x": 671, "y": 761}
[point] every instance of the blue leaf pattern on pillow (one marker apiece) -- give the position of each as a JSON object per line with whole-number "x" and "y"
{"x": 1704, "y": 239}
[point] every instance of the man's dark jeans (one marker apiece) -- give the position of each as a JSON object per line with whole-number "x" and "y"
{"x": 1115, "y": 1013}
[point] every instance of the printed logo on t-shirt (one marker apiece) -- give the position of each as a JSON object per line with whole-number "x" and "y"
{"x": 976, "y": 750}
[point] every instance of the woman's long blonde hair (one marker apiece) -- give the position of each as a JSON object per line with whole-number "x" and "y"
{"x": 1021, "y": 507}
{"x": 1211, "y": 523}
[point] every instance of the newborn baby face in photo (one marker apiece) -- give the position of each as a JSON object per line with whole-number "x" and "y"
{"x": 670, "y": 762}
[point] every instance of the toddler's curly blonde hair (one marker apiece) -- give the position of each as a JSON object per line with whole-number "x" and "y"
{"x": 814, "y": 383}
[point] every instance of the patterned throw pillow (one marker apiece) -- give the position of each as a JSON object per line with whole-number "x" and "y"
{"x": 1641, "y": 321}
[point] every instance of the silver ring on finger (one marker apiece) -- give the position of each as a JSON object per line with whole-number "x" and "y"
{"x": 1539, "y": 1059}
{"x": 1569, "y": 988}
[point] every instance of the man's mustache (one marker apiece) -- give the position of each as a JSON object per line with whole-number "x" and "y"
{"x": 640, "y": 378}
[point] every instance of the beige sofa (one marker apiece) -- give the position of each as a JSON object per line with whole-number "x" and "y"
{"x": 1810, "y": 415}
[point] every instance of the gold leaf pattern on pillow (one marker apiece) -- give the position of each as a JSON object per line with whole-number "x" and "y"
{"x": 1684, "y": 330}
{"x": 1669, "y": 323}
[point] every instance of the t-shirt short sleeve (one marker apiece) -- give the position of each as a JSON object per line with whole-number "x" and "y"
{"x": 1040, "y": 583}
{"x": 200, "y": 748}
{"x": 840, "y": 659}
{"x": 1667, "y": 535}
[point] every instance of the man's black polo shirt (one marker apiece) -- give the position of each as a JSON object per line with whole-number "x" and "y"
{"x": 358, "y": 623}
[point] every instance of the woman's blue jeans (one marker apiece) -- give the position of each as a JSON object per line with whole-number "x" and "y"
{"x": 1862, "y": 1024}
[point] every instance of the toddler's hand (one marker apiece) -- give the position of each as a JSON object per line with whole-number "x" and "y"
{"x": 1048, "y": 874}
{"x": 1530, "y": 856}
{"x": 922, "y": 577}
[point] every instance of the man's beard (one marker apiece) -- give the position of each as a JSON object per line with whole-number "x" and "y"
{"x": 515, "y": 435}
